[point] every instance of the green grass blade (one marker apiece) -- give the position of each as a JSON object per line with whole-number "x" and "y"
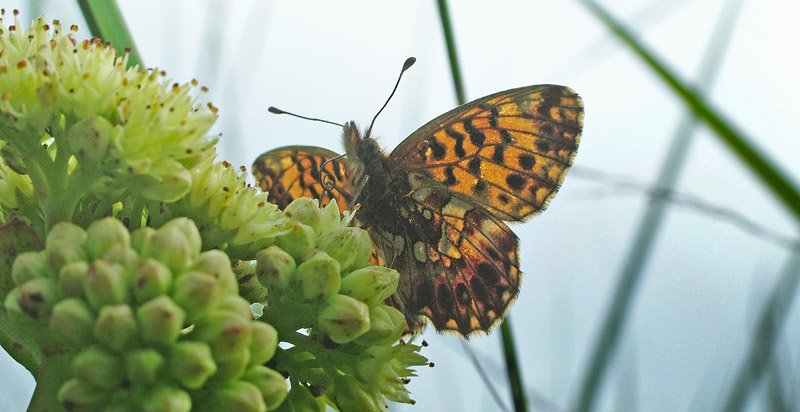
{"x": 106, "y": 22}
{"x": 509, "y": 351}
{"x": 769, "y": 327}
{"x": 608, "y": 341}
{"x": 774, "y": 178}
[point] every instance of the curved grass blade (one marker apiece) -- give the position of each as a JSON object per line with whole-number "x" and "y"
{"x": 106, "y": 22}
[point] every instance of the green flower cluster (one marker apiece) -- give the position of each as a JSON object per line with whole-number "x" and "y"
{"x": 318, "y": 278}
{"x": 133, "y": 302}
{"x": 153, "y": 323}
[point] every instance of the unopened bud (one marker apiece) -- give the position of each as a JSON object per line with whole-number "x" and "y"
{"x": 387, "y": 325}
{"x": 371, "y": 285}
{"x": 274, "y": 267}
{"x": 224, "y": 330}
{"x": 36, "y": 298}
{"x": 350, "y": 246}
{"x": 73, "y": 320}
{"x": 70, "y": 279}
{"x": 170, "y": 246}
{"x": 89, "y": 140}
{"x": 140, "y": 238}
{"x": 237, "y": 305}
{"x": 249, "y": 286}
{"x": 344, "y": 318}
{"x": 29, "y": 265}
{"x": 143, "y": 366}
{"x": 304, "y": 210}
{"x": 239, "y": 396}
{"x": 231, "y": 365}
{"x": 115, "y": 327}
{"x": 160, "y": 320}
{"x": 167, "y": 399}
{"x": 271, "y": 384}
{"x": 66, "y": 231}
{"x": 62, "y": 251}
{"x": 300, "y": 240}
{"x": 191, "y": 363}
{"x": 105, "y": 284}
{"x": 151, "y": 279}
{"x": 189, "y": 230}
{"x": 98, "y": 368}
{"x": 329, "y": 218}
{"x": 104, "y": 234}
{"x": 196, "y": 293}
{"x": 217, "y": 264}
{"x": 264, "y": 344}
{"x": 317, "y": 278}
{"x": 78, "y": 396}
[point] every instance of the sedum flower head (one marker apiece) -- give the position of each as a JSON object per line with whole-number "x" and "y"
{"x": 78, "y": 122}
{"x": 151, "y": 320}
{"x": 327, "y": 302}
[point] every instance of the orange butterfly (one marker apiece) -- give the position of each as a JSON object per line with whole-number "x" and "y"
{"x": 434, "y": 207}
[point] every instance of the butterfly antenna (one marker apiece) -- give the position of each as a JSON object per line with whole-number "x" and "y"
{"x": 330, "y": 183}
{"x": 406, "y": 65}
{"x": 275, "y": 110}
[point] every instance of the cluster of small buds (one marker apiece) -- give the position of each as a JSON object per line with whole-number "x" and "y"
{"x": 154, "y": 323}
{"x": 318, "y": 278}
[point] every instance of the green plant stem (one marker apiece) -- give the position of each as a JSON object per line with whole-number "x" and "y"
{"x": 54, "y": 372}
{"x": 774, "y": 178}
{"x": 455, "y": 69}
{"x": 509, "y": 351}
{"x": 106, "y": 22}
{"x": 771, "y": 322}
{"x": 644, "y": 239}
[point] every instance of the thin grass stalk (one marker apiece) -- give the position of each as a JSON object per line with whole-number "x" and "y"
{"x": 509, "y": 351}
{"x": 743, "y": 147}
{"x": 644, "y": 240}
{"x": 106, "y": 22}
{"x": 767, "y": 332}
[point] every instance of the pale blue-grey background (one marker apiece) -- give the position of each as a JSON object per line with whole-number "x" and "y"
{"x": 706, "y": 282}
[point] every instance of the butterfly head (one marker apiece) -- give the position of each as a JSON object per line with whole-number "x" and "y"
{"x": 361, "y": 149}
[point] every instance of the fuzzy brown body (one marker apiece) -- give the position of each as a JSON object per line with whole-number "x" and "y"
{"x": 434, "y": 207}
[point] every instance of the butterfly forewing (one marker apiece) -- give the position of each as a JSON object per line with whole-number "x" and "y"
{"x": 508, "y": 151}
{"x": 291, "y": 172}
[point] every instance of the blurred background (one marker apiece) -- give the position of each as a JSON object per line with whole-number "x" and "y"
{"x": 710, "y": 269}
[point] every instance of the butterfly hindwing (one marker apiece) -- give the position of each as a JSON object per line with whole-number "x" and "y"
{"x": 290, "y": 172}
{"x": 508, "y": 151}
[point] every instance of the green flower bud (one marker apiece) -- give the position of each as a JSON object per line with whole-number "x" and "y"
{"x": 104, "y": 234}
{"x": 13, "y": 308}
{"x": 271, "y": 384}
{"x": 303, "y": 401}
{"x": 231, "y": 365}
{"x": 142, "y": 366}
{"x": 371, "y": 285}
{"x": 191, "y": 363}
{"x": 167, "y": 399}
{"x": 75, "y": 395}
{"x": 122, "y": 255}
{"x": 317, "y": 278}
{"x": 62, "y": 251}
{"x": 66, "y": 231}
{"x": 249, "y": 286}
{"x": 170, "y": 246}
{"x": 72, "y": 319}
{"x": 274, "y": 267}
{"x": 29, "y": 265}
{"x": 329, "y": 218}
{"x": 89, "y": 140}
{"x": 189, "y": 230}
{"x": 98, "y": 368}
{"x": 168, "y": 186}
{"x": 306, "y": 211}
{"x": 115, "y": 327}
{"x": 350, "y": 246}
{"x": 151, "y": 279}
{"x": 36, "y": 298}
{"x": 265, "y": 342}
{"x": 70, "y": 279}
{"x": 240, "y": 396}
{"x": 351, "y": 395}
{"x": 299, "y": 241}
{"x": 224, "y": 330}
{"x": 217, "y": 264}
{"x": 387, "y": 325}
{"x": 343, "y": 318}
{"x": 236, "y": 304}
{"x": 196, "y": 293}
{"x": 105, "y": 284}
{"x": 160, "y": 320}
{"x": 140, "y": 238}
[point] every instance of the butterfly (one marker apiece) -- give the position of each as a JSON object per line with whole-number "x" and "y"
{"x": 435, "y": 206}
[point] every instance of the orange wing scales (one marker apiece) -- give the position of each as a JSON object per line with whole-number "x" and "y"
{"x": 435, "y": 206}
